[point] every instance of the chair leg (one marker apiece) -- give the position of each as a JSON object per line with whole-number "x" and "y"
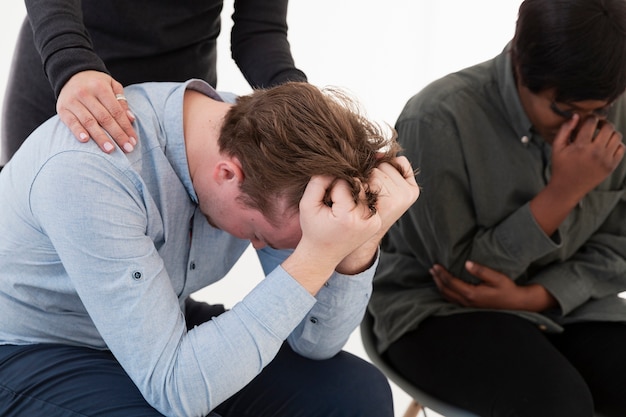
{"x": 413, "y": 409}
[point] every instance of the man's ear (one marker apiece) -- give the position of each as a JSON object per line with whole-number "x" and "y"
{"x": 228, "y": 170}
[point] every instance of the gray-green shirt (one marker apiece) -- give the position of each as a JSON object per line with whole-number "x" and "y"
{"x": 480, "y": 165}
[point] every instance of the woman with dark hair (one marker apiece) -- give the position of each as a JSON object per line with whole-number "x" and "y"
{"x": 498, "y": 291}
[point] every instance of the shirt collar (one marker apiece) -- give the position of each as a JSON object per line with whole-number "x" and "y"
{"x": 173, "y": 123}
{"x": 508, "y": 90}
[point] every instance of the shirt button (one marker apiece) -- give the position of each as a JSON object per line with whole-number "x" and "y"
{"x": 313, "y": 320}
{"x": 525, "y": 140}
{"x": 543, "y": 327}
{"x": 192, "y": 265}
{"x": 137, "y": 275}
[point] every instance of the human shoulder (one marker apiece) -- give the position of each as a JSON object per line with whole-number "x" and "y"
{"x": 453, "y": 94}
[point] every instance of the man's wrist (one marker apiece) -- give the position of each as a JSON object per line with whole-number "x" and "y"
{"x": 308, "y": 270}
{"x": 358, "y": 261}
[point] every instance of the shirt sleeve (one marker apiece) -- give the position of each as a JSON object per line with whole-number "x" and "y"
{"x": 584, "y": 259}
{"x": 443, "y": 225}
{"x": 338, "y": 310}
{"x": 62, "y": 40}
{"x": 259, "y": 43}
{"x": 595, "y": 270}
{"x": 98, "y": 222}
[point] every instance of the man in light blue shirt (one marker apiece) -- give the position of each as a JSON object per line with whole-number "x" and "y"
{"x": 99, "y": 253}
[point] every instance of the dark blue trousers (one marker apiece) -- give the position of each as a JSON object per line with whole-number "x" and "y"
{"x": 46, "y": 380}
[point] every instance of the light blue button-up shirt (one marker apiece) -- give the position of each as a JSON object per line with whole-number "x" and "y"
{"x": 101, "y": 250}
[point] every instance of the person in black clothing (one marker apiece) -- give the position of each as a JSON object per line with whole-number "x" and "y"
{"x": 75, "y": 56}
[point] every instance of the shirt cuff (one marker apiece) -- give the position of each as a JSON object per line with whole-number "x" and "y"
{"x": 570, "y": 291}
{"x": 279, "y": 302}
{"x": 521, "y": 237}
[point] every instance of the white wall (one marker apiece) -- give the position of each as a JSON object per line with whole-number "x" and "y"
{"x": 383, "y": 52}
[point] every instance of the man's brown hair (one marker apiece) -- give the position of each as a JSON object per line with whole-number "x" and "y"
{"x": 286, "y": 134}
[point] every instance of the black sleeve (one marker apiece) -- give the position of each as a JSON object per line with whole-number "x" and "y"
{"x": 259, "y": 43}
{"x": 62, "y": 40}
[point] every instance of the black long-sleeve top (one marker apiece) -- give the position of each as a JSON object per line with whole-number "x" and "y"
{"x": 160, "y": 40}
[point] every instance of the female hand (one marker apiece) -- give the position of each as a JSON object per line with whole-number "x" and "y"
{"x": 92, "y": 105}
{"x": 496, "y": 291}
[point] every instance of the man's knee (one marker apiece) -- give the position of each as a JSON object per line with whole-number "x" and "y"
{"x": 365, "y": 390}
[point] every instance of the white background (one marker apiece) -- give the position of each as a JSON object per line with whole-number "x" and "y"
{"x": 382, "y": 52}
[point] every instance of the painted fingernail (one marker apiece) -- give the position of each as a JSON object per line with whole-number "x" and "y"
{"x": 128, "y": 147}
{"x": 130, "y": 114}
{"x": 133, "y": 141}
{"x": 83, "y": 136}
{"x": 108, "y": 147}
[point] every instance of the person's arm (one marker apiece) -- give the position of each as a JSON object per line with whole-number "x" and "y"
{"x": 598, "y": 268}
{"x": 96, "y": 217}
{"x": 595, "y": 270}
{"x": 86, "y": 93}
{"x": 448, "y": 225}
{"x": 507, "y": 249}
{"x": 343, "y": 297}
{"x": 105, "y": 238}
{"x": 579, "y": 165}
{"x": 259, "y": 43}
{"x": 339, "y": 307}
{"x": 62, "y": 40}
{"x": 327, "y": 210}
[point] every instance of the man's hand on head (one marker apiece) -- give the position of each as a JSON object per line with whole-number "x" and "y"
{"x": 333, "y": 226}
{"x": 397, "y": 190}
{"x": 341, "y": 234}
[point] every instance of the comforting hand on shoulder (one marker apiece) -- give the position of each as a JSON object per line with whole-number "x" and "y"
{"x": 91, "y": 104}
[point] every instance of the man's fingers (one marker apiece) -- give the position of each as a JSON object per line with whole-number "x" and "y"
{"x": 316, "y": 192}
{"x": 343, "y": 203}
